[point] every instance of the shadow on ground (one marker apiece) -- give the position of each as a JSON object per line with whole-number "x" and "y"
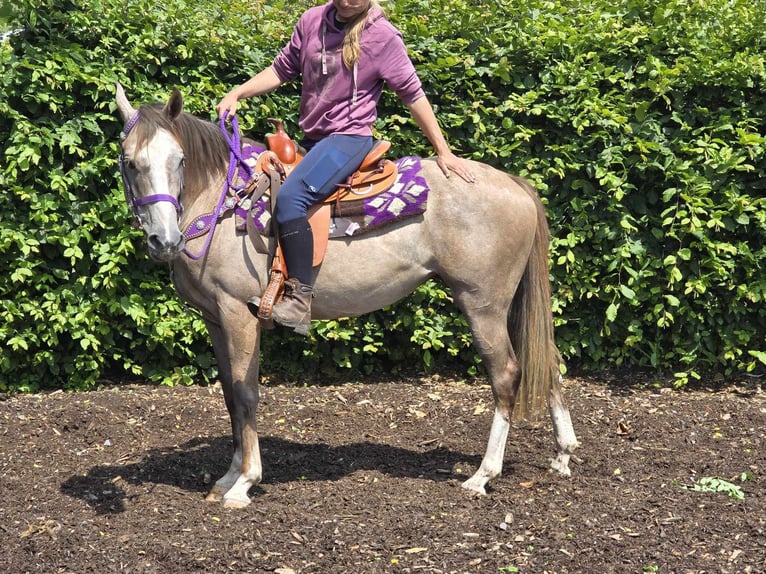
{"x": 194, "y": 465}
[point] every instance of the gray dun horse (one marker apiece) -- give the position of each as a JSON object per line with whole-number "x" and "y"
{"x": 488, "y": 243}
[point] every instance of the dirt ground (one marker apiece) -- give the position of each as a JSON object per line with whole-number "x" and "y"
{"x": 365, "y": 478}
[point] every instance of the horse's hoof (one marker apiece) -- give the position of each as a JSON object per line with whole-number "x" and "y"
{"x": 214, "y": 496}
{"x": 235, "y": 503}
{"x": 474, "y": 486}
{"x": 560, "y": 464}
{"x": 216, "y": 493}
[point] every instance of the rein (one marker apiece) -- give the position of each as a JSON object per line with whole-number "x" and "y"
{"x": 235, "y": 160}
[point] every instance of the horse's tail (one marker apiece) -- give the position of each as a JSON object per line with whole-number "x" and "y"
{"x": 530, "y": 323}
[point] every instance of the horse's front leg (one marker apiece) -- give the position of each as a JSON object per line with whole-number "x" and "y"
{"x": 236, "y": 343}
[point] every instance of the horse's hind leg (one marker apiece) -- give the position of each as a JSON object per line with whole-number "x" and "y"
{"x": 491, "y": 338}
{"x": 494, "y": 345}
{"x": 566, "y": 441}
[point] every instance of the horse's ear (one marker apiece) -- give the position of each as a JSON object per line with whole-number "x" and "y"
{"x": 127, "y": 111}
{"x": 175, "y": 105}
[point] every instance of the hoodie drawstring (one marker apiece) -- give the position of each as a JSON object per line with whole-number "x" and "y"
{"x": 354, "y": 72}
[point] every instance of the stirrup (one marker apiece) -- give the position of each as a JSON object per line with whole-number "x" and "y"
{"x": 253, "y": 305}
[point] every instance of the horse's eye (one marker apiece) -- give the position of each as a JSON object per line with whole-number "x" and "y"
{"x": 130, "y": 164}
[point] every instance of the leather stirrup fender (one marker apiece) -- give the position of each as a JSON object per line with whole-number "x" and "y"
{"x": 319, "y": 219}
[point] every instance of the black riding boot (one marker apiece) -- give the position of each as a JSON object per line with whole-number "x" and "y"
{"x": 294, "y": 310}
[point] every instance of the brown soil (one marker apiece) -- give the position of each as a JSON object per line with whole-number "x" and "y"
{"x": 365, "y": 478}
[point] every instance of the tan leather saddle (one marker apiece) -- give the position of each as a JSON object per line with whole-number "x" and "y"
{"x": 373, "y": 176}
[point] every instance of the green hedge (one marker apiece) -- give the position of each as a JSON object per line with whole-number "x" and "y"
{"x": 642, "y": 123}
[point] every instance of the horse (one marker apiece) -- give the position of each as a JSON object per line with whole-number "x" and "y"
{"x": 486, "y": 241}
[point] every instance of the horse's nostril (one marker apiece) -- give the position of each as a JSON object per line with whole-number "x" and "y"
{"x": 165, "y": 247}
{"x": 155, "y": 243}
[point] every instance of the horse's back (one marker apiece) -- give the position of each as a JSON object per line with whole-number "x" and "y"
{"x": 494, "y": 213}
{"x": 468, "y": 231}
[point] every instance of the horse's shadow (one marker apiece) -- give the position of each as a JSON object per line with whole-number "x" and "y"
{"x": 191, "y": 467}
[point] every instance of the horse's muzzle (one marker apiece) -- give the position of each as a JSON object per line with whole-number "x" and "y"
{"x": 165, "y": 248}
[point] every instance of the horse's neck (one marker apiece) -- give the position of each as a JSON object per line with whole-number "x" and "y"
{"x": 206, "y": 165}
{"x": 202, "y": 195}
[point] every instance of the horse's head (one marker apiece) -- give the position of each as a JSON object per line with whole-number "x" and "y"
{"x": 152, "y": 167}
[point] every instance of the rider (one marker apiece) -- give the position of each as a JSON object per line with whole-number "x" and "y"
{"x": 344, "y": 51}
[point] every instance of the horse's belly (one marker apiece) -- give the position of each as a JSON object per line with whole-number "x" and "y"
{"x": 361, "y": 275}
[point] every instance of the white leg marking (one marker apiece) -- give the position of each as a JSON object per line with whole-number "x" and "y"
{"x": 224, "y": 483}
{"x": 236, "y": 496}
{"x": 566, "y": 441}
{"x": 492, "y": 464}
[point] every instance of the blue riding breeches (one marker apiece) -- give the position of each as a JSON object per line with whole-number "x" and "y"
{"x": 329, "y": 162}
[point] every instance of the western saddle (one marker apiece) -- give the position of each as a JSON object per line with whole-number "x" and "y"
{"x": 373, "y": 176}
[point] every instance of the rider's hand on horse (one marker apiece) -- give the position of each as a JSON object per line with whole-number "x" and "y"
{"x": 227, "y": 106}
{"x": 448, "y": 162}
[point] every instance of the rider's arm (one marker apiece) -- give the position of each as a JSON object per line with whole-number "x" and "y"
{"x": 423, "y": 114}
{"x": 262, "y": 83}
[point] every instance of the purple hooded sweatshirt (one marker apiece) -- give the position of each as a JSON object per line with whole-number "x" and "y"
{"x": 334, "y": 99}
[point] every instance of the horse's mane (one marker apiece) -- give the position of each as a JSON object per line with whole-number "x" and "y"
{"x": 206, "y": 152}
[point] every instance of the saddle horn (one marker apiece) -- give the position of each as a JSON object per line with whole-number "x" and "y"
{"x": 280, "y": 143}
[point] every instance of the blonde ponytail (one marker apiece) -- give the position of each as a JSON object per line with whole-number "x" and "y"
{"x": 351, "y": 42}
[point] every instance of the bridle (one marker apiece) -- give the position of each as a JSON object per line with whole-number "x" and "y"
{"x": 225, "y": 203}
{"x": 136, "y": 202}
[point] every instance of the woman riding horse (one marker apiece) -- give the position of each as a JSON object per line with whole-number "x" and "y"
{"x": 344, "y": 51}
